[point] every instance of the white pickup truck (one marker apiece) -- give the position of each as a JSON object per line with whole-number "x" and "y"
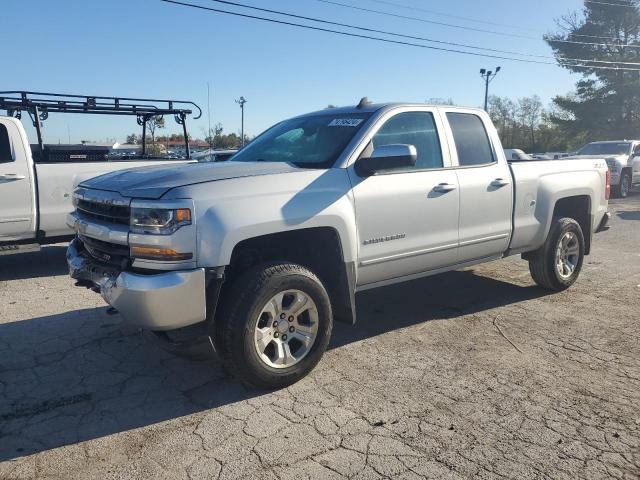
{"x": 623, "y": 159}
{"x": 37, "y": 181}
{"x": 263, "y": 252}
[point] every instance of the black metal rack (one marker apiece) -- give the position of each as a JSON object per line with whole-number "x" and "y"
{"x": 38, "y": 105}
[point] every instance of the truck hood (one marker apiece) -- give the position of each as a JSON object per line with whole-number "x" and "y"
{"x": 154, "y": 181}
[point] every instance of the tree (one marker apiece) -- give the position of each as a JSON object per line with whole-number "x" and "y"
{"x": 606, "y": 104}
{"x": 213, "y": 135}
{"x": 133, "y": 139}
{"x": 503, "y": 113}
{"x": 440, "y": 101}
{"x": 153, "y": 123}
{"x": 530, "y": 113}
{"x": 525, "y": 124}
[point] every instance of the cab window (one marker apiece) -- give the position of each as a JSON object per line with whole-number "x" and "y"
{"x": 471, "y": 139}
{"x": 5, "y": 145}
{"x": 417, "y": 129}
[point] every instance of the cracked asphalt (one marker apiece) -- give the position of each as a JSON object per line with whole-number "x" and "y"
{"x": 471, "y": 374}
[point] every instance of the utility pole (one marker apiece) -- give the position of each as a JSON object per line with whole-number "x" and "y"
{"x": 488, "y": 76}
{"x": 241, "y": 101}
{"x": 211, "y": 139}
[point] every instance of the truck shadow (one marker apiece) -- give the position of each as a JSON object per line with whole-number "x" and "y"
{"x": 49, "y": 261}
{"x": 629, "y": 215}
{"x": 83, "y": 375}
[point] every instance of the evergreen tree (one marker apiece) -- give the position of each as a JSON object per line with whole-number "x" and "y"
{"x": 606, "y": 104}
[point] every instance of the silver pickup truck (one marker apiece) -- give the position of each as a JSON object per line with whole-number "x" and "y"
{"x": 263, "y": 252}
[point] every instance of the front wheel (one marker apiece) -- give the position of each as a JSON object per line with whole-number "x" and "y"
{"x": 622, "y": 190}
{"x": 557, "y": 264}
{"x": 275, "y": 325}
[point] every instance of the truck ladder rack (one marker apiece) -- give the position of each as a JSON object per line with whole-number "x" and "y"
{"x": 39, "y": 104}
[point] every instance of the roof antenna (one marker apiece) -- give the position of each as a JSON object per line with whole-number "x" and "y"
{"x": 364, "y": 101}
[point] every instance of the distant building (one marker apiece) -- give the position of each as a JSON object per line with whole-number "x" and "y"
{"x": 126, "y": 148}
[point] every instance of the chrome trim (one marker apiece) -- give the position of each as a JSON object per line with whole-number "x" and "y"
{"x": 107, "y": 232}
{"x": 484, "y": 240}
{"x": 441, "y": 248}
{"x": 15, "y": 220}
{"x": 428, "y": 273}
{"x": 100, "y": 196}
{"x": 413, "y": 253}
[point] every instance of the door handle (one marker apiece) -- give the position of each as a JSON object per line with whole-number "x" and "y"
{"x": 12, "y": 177}
{"x": 500, "y": 182}
{"x": 444, "y": 187}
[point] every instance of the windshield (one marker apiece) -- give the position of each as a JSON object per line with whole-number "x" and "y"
{"x": 310, "y": 142}
{"x": 609, "y": 148}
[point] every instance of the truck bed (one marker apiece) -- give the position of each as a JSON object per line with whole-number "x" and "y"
{"x": 539, "y": 183}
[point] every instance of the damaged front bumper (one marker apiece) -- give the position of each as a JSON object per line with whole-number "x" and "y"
{"x": 163, "y": 301}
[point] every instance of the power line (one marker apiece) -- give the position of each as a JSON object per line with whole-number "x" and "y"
{"x": 384, "y": 32}
{"x": 458, "y": 17}
{"x": 612, "y": 4}
{"x": 384, "y": 40}
{"x": 423, "y": 20}
{"x": 469, "y": 19}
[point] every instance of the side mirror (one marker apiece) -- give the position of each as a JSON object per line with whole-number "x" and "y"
{"x": 387, "y": 157}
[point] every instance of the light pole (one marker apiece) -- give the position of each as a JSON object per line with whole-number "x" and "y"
{"x": 241, "y": 101}
{"x": 487, "y": 76}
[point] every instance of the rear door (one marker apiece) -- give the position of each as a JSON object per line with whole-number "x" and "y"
{"x": 486, "y": 192}
{"x": 17, "y": 209}
{"x": 407, "y": 219}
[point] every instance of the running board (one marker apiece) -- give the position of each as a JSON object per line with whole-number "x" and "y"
{"x": 21, "y": 248}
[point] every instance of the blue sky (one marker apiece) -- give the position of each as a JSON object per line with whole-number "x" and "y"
{"x": 149, "y": 48}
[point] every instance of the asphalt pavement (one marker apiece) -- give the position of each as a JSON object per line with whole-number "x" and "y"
{"x": 471, "y": 374}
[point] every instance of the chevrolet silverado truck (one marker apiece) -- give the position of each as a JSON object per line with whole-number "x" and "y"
{"x": 37, "y": 181}
{"x": 263, "y": 252}
{"x": 623, "y": 159}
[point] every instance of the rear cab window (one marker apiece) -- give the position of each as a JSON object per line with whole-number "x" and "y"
{"x": 5, "y": 145}
{"x": 471, "y": 139}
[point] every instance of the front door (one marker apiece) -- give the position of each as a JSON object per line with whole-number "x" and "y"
{"x": 407, "y": 219}
{"x": 16, "y": 201}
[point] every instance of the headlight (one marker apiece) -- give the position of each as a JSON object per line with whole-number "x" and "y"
{"x": 159, "y": 221}
{"x": 612, "y": 164}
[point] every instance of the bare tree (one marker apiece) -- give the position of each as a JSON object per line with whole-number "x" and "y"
{"x": 530, "y": 115}
{"x": 155, "y": 122}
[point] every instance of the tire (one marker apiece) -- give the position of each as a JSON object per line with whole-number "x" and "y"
{"x": 622, "y": 190}
{"x": 244, "y": 312}
{"x": 543, "y": 264}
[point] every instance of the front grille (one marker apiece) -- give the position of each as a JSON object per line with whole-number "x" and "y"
{"x": 106, "y": 252}
{"x": 103, "y": 211}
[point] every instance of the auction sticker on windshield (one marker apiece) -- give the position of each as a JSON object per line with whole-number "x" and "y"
{"x": 345, "y": 122}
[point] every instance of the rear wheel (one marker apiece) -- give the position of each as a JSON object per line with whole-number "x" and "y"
{"x": 557, "y": 264}
{"x": 275, "y": 325}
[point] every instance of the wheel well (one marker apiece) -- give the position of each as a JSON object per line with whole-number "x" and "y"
{"x": 318, "y": 249}
{"x": 578, "y": 208}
